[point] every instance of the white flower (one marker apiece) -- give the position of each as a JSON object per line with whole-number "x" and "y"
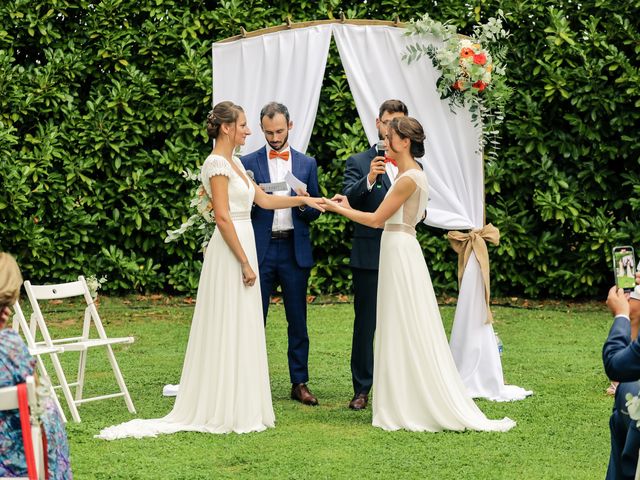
{"x": 633, "y": 406}
{"x": 95, "y": 284}
{"x": 203, "y": 218}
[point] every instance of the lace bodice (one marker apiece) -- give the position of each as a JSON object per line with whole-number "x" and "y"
{"x": 240, "y": 195}
{"x": 411, "y": 211}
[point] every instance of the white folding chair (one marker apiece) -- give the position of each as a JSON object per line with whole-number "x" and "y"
{"x": 9, "y": 401}
{"x": 76, "y": 344}
{"x": 20, "y": 325}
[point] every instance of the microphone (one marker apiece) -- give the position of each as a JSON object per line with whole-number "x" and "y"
{"x": 380, "y": 152}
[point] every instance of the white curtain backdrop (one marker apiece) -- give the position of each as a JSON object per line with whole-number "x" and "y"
{"x": 287, "y": 67}
{"x": 251, "y": 72}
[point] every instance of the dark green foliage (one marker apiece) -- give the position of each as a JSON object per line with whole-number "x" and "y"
{"x": 102, "y": 105}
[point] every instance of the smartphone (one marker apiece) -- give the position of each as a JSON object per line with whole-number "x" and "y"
{"x": 624, "y": 267}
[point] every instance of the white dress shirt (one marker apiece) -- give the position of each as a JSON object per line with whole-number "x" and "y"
{"x": 278, "y": 168}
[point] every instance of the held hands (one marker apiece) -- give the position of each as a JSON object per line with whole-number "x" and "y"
{"x": 312, "y": 202}
{"x": 337, "y": 201}
{"x": 248, "y": 275}
{"x": 618, "y": 302}
{"x": 376, "y": 167}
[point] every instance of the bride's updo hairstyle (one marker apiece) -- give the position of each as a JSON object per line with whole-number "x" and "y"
{"x": 223, "y": 112}
{"x": 409, "y": 127}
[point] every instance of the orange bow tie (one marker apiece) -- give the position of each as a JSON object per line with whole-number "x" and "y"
{"x": 393, "y": 162}
{"x": 283, "y": 155}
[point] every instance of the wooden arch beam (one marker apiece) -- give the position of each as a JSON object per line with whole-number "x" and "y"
{"x": 291, "y": 25}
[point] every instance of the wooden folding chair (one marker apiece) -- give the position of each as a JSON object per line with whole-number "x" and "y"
{"x": 20, "y": 325}
{"x": 76, "y": 344}
{"x": 31, "y": 429}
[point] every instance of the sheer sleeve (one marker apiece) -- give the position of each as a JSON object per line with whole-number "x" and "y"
{"x": 214, "y": 165}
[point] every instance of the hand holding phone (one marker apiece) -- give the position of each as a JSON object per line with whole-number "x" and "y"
{"x": 624, "y": 267}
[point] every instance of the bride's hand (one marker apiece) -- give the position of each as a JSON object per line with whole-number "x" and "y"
{"x": 248, "y": 275}
{"x": 330, "y": 205}
{"x": 341, "y": 200}
{"x": 314, "y": 202}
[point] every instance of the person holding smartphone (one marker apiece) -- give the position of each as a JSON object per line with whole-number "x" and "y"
{"x": 621, "y": 358}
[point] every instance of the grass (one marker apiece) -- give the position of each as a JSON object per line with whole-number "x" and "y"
{"x": 562, "y": 430}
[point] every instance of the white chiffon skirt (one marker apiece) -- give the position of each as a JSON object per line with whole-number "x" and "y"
{"x": 224, "y": 385}
{"x": 416, "y": 384}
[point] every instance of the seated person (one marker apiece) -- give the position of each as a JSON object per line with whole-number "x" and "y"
{"x": 621, "y": 357}
{"x": 16, "y": 364}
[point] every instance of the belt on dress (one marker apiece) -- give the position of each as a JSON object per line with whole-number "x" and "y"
{"x": 279, "y": 234}
{"x": 240, "y": 215}
{"x": 400, "y": 227}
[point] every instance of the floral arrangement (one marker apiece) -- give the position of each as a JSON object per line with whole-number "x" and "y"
{"x": 472, "y": 68}
{"x": 94, "y": 284}
{"x": 203, "y": 219}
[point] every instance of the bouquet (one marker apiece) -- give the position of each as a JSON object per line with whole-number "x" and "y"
{"x": 202, "y": 219}
{"x": 472, "y": 70}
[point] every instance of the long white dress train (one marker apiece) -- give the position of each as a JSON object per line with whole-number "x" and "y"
{"x": 224, "y": 385}
{"x": 416, "y": 384}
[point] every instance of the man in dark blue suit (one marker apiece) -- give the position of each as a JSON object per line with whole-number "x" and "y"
{"x": 367, "y": 179}
{"x": 282, "y": 237}
{"x": 621, "y": 358}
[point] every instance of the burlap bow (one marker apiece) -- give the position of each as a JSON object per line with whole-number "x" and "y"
{"x": 475, "y": 241}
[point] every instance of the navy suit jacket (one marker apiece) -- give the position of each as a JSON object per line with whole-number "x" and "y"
{"x": 306, "y": 170}
{"x": 365, "y": 248}
{"x": 621, "y": 356}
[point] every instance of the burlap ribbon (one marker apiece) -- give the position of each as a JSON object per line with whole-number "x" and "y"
{"x": 475, "y": 241}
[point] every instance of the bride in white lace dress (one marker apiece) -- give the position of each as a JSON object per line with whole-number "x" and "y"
{"x": 416, "y": 384}
{"x": 224, "y": 385}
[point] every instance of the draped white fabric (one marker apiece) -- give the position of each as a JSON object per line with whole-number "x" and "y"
{"x": 286, "y": 67}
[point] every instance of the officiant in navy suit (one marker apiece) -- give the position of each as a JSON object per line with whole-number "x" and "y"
{"x": 282, "y": 237}
{"x": 367, "y": 179}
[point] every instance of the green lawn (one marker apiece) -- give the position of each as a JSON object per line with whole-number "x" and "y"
{"x": 562, "y": 430}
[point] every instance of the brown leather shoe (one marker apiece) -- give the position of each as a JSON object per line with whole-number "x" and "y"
{"x": 359, "y": 402}
{"x": 301, "y": 393}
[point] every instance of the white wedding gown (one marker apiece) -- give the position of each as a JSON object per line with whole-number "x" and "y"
{"x": 224, "y": 385}
{"x": 416, "y": 384}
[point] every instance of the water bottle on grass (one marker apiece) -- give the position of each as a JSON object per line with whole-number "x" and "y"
{"x": 499, "y": 344}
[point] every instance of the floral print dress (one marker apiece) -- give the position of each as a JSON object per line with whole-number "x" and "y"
{"x": 16, "y": 364}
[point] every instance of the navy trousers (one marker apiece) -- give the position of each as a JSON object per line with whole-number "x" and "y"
{"x": 625, "y": 437}
{"x": 279, "y": 266}
{"x": 365, "y": 291}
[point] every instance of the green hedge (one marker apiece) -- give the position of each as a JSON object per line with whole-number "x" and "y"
{"x": 102, "y": 105}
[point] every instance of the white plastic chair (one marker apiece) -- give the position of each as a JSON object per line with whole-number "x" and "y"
{"x": 20, "y": 325}
{"x": 9, "y": 401}
{"x": 76, "y": 344}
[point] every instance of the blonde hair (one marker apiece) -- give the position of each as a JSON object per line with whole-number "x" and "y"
{"x": 10, "y": 280}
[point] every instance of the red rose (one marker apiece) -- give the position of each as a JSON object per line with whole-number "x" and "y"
{"x": 480, "y": 59}
{"x": 480, "y": 85}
